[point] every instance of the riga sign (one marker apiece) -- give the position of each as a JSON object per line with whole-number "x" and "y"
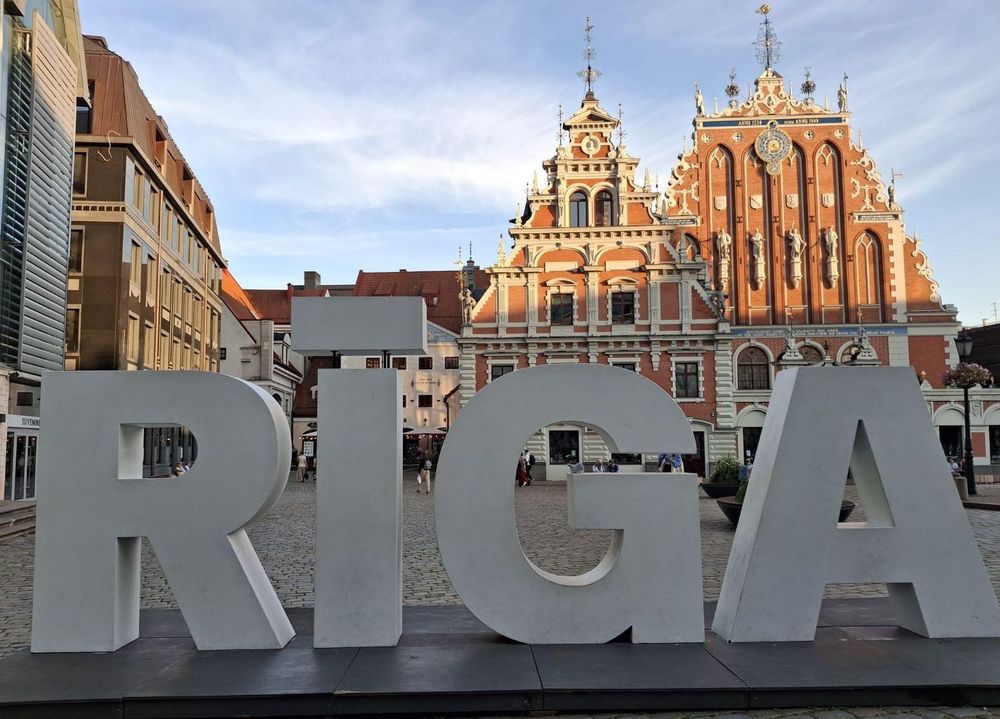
{"x": 822, "y": 422}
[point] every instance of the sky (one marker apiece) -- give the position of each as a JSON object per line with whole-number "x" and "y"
{"x": 334, "y": 135}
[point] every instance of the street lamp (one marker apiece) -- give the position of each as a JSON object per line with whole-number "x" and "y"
{"x": 963, "y": 343}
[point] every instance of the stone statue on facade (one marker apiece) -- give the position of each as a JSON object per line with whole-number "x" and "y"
{"x": 759, "y": 262}
{"x": 724, "y": 243}
{"x": 468, "y": 302}
{"x": 796, "y": 246}
{"x": 842, "y": 95}
{"x": 832, "y": 264}
{"x": 699, "y": 100}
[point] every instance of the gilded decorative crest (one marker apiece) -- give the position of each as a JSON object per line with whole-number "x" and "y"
{"x": 791, "y": 201}
{"x": 720, "y": 202}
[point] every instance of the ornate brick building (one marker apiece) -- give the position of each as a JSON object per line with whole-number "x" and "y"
{"x": 775, "y": 243}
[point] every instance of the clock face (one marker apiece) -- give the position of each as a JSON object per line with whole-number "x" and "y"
{"x": 773, "y": 146}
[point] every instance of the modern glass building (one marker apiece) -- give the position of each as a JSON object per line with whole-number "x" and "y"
{"x": 42, "y": 82}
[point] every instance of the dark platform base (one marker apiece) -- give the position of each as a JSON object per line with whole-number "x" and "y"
{"x": 448, "y": 662}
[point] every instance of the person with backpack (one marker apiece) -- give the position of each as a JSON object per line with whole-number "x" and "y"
{"x": 529, "y": 460}
{"x": 424, "y": 472}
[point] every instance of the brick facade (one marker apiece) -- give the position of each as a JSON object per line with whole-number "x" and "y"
{"x": 776, "y": 231}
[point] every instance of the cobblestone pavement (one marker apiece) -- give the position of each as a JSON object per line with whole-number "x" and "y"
{"x": 284, "y": 541}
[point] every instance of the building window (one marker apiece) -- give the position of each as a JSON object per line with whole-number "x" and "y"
{"x": 564, "y": 446}
{"x": 425, "y": 400}
{"x": 139, "y": 191}
{"x": 175, "y": 354}
{"x": 451, "y": 362}
{"x": 135, "y": 270}
{"x": 80, "y": 173}
{"x": 630, "y": 366}
{"x": 164, "y": 350}
{"x": 72, "y": 330}
{"x": 399, "y": 362}
{"x": 222, "y": 353}
{"x": 603, "y": 209}
{"x": 132, "y": 339}
{"x": 373, "y": 363}
{"x": 76, "y": 251}
{"x": 404, "y": 401}
{"x": 623, "y": 307}
{"x": 578, "y": 209}
{"x": 753, "y": 371}
{"x": 82, "y": 118}
{"x": 425, "y": 362}
{"x": 686, "y": 380}
{"x": 149, "y": 346}
{"x": 561, "y": 308}
{"x": 499, "y": 370}
{"x": 165, "y": 289}
{"x": 25, "y": 399}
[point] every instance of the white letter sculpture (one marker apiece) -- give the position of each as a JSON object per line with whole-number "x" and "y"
{"x": 917, "y": 539}
{"x": 650, "y": 580}
{"x": 93, "y": 507}
{"x": 359, "y": 481}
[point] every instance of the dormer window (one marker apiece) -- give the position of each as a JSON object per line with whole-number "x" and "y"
{"x": 603, "y": 209}
{"x": 578, "y": 209}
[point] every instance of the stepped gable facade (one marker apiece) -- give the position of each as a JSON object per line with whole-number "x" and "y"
{"x": 775, "y": 242}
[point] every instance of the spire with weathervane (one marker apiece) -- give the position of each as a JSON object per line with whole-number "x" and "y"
{"x": 591, "y": 73}
{"x": 768, "y": 47}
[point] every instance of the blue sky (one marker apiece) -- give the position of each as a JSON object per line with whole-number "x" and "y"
{"x": 336, "y": 136}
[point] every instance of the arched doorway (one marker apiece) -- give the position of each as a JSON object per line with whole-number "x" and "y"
{"x": 750, "y": 425}
{"x": 951, "y": 423}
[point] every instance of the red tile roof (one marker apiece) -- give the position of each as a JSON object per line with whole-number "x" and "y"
{"x": 276, "y": 305}
{"x": 439, "y": 288}
{"x": 236, "y": 298}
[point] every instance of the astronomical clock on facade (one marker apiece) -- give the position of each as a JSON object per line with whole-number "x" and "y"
{"x": 776, "y": 242}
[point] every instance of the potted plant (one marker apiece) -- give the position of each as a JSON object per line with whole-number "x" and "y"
{"x": 732, "y": 506}
{"x": 966, "y": 376}
{"x": 725, "y": 478}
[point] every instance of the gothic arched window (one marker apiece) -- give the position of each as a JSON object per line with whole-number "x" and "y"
{"x": 603, "y": 209}
{"x": 753, "y": 371}
{"x": 578, "y": 209}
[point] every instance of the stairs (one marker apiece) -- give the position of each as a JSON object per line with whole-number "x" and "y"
{"x": 16, "y": 518}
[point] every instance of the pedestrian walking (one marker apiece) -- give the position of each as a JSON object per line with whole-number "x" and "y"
{"x": 300, "y": 468}
{"x": 677, "y": 463}
{"x": 521, "y": 475}
{"x": 425, "y": 474}
{"x": 529, "y": 459}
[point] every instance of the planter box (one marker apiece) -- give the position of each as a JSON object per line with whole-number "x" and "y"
{"x": 720, "y": 489}
{"x": 731, "y": 508}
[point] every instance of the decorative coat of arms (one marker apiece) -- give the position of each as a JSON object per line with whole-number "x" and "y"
{"x": 791, "y": 201}
{"x": 756, "y": 201}
{"x": 827, "y": 199}
{"x": 720, "y": 202}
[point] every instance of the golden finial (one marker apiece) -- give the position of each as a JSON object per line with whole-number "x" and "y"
{"x": 764, "y": 9}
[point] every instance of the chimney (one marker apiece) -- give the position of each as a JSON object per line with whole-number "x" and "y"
{"x": 311, "y": 280}
{"x": 469, "y": 274}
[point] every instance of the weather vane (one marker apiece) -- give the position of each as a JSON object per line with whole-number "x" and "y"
{"x": 621, "y": 127}
{"x": 560, "y": 125}
{"x": 808, "y": 86}
{"x": 732, "y": 89}
{"x": 767, "y": 42}
{"x": 590, "y": 74}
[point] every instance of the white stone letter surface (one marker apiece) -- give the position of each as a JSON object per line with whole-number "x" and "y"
{"x": 359, "y": 571}
{"x": 650, "y": 580}
{"x": 917, "y": 539}
{"x": 93, "y": 507}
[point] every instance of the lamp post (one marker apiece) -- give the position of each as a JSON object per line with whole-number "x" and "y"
{"x": 963, "y": 343}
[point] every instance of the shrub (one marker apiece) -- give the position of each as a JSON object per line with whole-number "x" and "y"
{"x": 726, "y": 471}
{"x": 967, "y": 374}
